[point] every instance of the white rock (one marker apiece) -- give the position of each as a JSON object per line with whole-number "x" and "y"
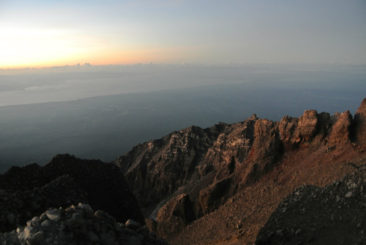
{"x": 348, "y": 194}
{"x": 85, "y": 207}
{"x": 53, "y": 214}
{"x": 132, "y": 224}
{"x": 27, "y": 232}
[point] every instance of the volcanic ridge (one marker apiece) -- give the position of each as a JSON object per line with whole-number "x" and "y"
{"x": 296, "y": 181}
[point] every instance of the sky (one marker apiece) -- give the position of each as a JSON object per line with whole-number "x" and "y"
{"x": 41, "y": 33}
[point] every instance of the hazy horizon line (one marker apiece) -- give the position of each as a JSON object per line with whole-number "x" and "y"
{"x": 90, "y": 65}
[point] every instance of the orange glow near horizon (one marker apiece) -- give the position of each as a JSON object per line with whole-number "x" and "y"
{"x": 34, "y": 47}
{"x": 37, "y": 48}
{"x": 105, "y": 57}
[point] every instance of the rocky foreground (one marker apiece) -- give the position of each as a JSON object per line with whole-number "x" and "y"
{"x": 76, "y": 225}
{"x": 28, "y": 191}
{"x": 335, "y": 214}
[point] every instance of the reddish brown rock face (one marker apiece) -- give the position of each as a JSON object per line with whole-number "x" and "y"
{"x": 214, "y": 195}
{"x": 265, "y": 150}
{"x": 214, "y": 164}
{"x": 360, "y": 124}
{"x": 307, "y": 126}
{"x": 174, "y": 215}
{"x": 287, "y": 128}
{"x": 156, "y": 169}
{"x": 340, "y": 132}
{"x": 267, "y": 144}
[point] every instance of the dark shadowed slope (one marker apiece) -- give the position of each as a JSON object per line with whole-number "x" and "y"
{"x": 334, "y": 214}
{"x": 28, "y": 191}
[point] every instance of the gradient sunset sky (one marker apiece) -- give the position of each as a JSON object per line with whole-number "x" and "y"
{"x": 66, "y": 32}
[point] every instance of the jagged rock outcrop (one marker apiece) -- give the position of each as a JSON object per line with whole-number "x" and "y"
{"x": 360, "y": 124}
{"x": 334, "y": 214}
{"x": 78, "y": 225}
{"x": 306, "y": 126}
{"x": 265, "y": 150}
{"x": 211, "y": 165}
{"x": 158, "y": 168}
{"x": 340, "y": 132}
{"x": 28, "y": 191}
{"x": 232, "y": 143}
{"x": 186, "y": 182}
{"x": 311, "y": 128}
{"x": 286, "y": 128}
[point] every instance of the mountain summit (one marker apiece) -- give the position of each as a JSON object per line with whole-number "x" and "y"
{"x": 201, "y": 186}
{"x": 299, "y": 180}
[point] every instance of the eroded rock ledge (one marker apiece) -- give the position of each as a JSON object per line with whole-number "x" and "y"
{"x": 208, "y": 166}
